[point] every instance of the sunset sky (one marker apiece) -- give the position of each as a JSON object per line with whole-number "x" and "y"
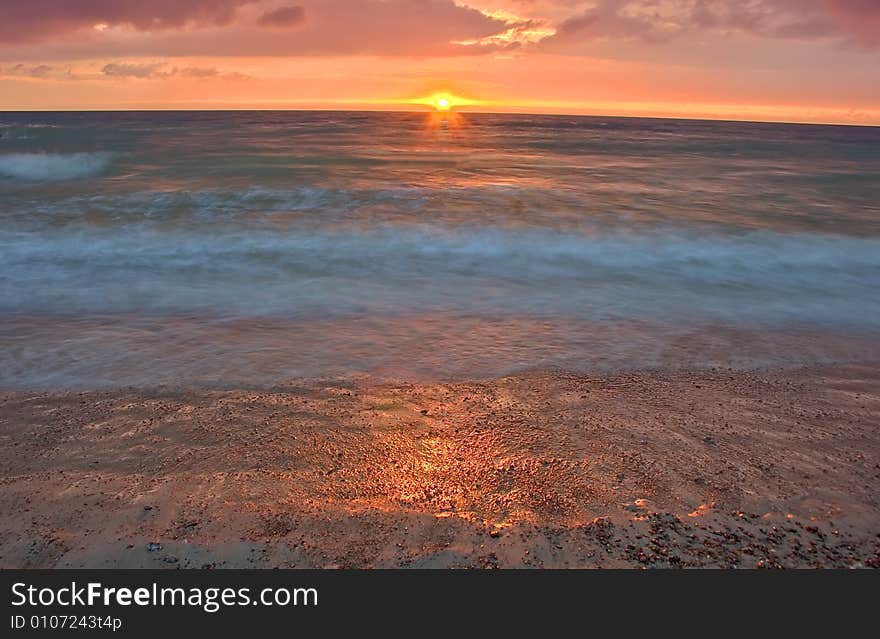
{"x": 793, "y": 60}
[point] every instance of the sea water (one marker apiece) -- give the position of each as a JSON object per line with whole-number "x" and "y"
{"x": 254, "y": 248}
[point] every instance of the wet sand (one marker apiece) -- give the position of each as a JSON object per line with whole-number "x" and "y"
{"x": 548, "y": 470}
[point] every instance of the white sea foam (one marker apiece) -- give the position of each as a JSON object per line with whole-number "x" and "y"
{"x": 5, "y": 125}
{"x": 53, "y": 166}
{"x": 759, "y": 276}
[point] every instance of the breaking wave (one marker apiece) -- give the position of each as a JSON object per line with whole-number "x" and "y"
{"x": 754, "y": 276}
{"x": 53, "y": 167}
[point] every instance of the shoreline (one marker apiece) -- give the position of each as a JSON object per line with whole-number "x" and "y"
{"x": 545, "y": 469}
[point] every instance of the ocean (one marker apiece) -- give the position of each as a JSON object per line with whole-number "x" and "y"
{"x": 250, "y": 249}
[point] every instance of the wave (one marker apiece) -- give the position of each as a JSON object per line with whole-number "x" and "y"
{"x": 533, "y": 206}
{"x": 4, "y": 125}
{"x": 235, "y": 201}
{"x": 496, "y": 249}
{"x": 53, "y": 166}
{"x": 754, "y": 276}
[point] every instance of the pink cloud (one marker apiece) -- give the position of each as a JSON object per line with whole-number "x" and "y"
{"x": 283, "y": 17}
{"x": 861, "y": 18}
{"x": 29, "y": 20}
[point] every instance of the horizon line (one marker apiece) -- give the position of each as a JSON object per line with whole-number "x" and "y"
{"x": 465, "y": 110}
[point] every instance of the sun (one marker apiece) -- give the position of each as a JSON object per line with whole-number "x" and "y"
{"x": 442, "y": 103}
{"x": 445, "y": 101}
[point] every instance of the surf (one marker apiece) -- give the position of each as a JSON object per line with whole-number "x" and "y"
{"x": 49, "y": 167}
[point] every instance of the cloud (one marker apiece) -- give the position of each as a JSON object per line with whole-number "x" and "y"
{"x": 198, "y": 72}
{"x": 36, "y": 20}
{"x": 325, "y": 27}
{"x": 160, "y": 70}
{"x": 133, "y": 70}
{"x": 663, "y": 20}
{"x": 283, "y": 17}
{"x": 78, "y": 29}
{"x": 29, "y": 71}
{"x": 861, "y": 18}
{"x": 609, "y": 19}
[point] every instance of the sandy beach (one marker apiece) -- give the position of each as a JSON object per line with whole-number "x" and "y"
{"x": 714, "y": 468}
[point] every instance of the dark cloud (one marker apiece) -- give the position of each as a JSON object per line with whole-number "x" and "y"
{"x": 608, "y": 19}
{"x": 30, "y": 20}
{"x": 332, "y": 27}
{"x": 395, "y": 27}
{"x": 283, "y": 17}
{"x": 662, "y": 20}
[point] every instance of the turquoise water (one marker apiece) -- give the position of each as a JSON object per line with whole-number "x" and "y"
{"x": 252, "y": 248}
